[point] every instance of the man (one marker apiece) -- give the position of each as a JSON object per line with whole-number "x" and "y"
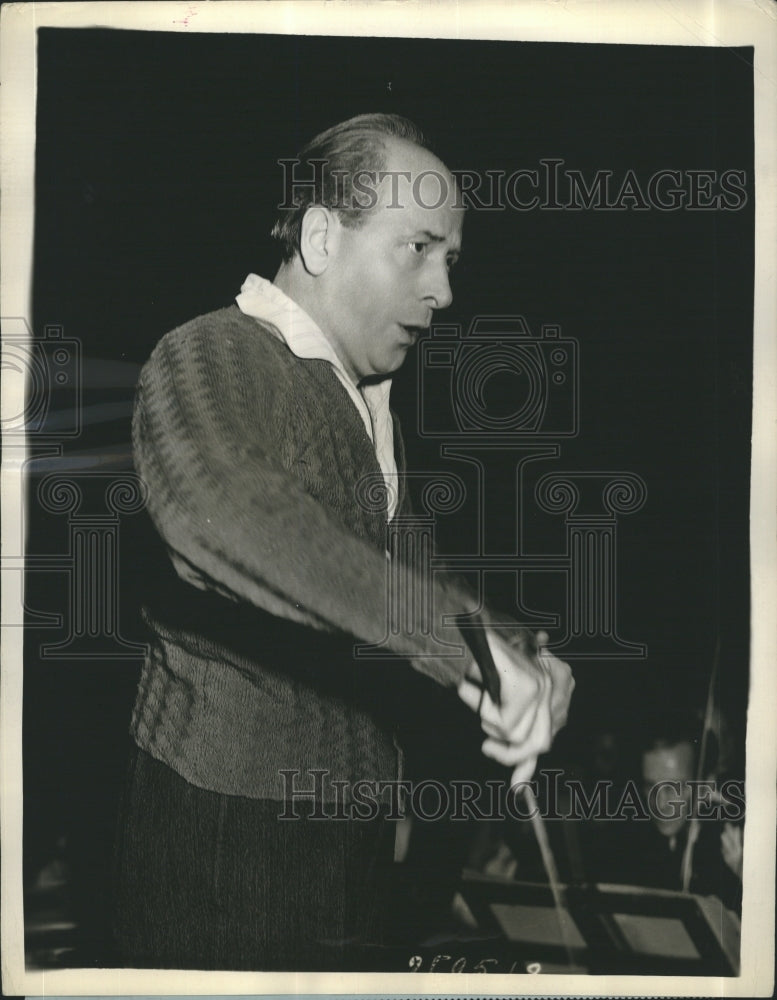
{"x": 686, "y": 831}
{"x": 714, "y": 859}
{"x": 255, "y": 430}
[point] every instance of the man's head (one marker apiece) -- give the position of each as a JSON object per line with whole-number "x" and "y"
{"x": 667, "y": 767}
{"x": 329, "y": 164}
{"x": 368, "y": 253}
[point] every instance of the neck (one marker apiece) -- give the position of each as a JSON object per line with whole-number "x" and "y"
{"x": 299, "y": 285}
{"x": 286, "y": 279}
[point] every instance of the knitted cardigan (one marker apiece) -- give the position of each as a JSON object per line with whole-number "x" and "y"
{"x": 251, "y": 457}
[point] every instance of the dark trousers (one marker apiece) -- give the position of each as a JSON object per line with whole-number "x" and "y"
{"x": 211, "y": 881}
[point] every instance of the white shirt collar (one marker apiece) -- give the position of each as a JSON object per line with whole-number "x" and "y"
{"x": 263, "y": 300}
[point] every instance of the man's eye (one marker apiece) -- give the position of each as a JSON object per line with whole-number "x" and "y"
{"x": 418, "y": 248}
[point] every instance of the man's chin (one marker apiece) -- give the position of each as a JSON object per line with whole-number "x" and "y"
{"x": 669, "y": 827}
{"x": 398, "y": 358}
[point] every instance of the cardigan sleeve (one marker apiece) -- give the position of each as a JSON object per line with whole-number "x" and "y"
{"x": 235, "y": 520}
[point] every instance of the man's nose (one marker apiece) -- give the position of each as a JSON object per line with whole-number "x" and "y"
{"x": 439, "y": 291}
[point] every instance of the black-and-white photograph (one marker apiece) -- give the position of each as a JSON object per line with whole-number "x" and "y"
{"x": 381, "y": 450}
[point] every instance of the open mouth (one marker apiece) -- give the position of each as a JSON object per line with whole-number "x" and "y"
{"x": 413, "y": 332}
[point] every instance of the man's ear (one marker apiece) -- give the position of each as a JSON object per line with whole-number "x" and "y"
{"x": 317, "y": 238}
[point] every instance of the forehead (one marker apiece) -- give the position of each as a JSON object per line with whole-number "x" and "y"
{"x": 417, "y": 194}
{"x": 671, "y": 762}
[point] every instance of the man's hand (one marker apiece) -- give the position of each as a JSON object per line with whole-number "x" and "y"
{"x": 731, "y": 848}
{"x": 536, "y": 688}
{"x": 563, "y": 684}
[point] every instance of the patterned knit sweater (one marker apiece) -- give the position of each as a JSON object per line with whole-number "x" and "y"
{"x": 251, "y": 457}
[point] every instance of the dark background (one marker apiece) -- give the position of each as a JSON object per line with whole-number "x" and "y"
{"x": 156, "y": 181}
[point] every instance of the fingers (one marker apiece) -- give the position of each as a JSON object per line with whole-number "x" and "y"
{"x": 563, "y": 686}
{"x": 562, "y": 681}
{"x": 514, "y": 750}
{"x": 511, "y": 754}
{"x": 536, "y": 692}
{"x": 514, "y": 728}
{"x": 521, "y": 694}
{"x": 531, "y": 725}
{"x": 524, "y": 683}
{"x": 524, "y": 639}
{"x": 471, "y": 694}
{"x": 520, "y": 716}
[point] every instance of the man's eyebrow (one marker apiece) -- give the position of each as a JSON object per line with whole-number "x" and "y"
{"x": 436, "y": 238}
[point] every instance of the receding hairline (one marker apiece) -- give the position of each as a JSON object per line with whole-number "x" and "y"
{"x": 353, "y": 156}
{"x": 398, "y": 143}
{"x": 392, "y": 148}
